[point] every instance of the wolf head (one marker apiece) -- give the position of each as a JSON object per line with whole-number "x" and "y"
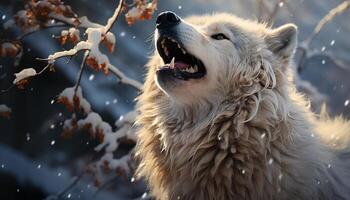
{"x": 217, "y": 96}
{"x": 207, "y": 57}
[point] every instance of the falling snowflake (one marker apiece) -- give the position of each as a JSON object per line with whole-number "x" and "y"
{"x": 144, "y": 195}
{"x": 323, "y": 48}
{"x": 39, "y": 166}
{"x": 323, "y": 62}
{"x": 28, "y": 136}
{"x": 280, "y": 176}
{"x": 122, "y": 34}
{"x": 280, "y": 4}
{"x": 332, "y": 42}
{"x": 91, "y": 77}
{"x": 179, "y": 7}
{"x": 59, "y": 174}
{"x": 270, "y": 161}
{"x": 52, "y": 142}
{"x": 346, "y": 103}
{"x": 69, "y": 195}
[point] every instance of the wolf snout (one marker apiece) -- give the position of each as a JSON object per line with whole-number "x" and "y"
{"x": 167, "y": 19}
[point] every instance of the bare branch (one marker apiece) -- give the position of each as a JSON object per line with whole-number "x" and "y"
{"x": 339, "y": 63}
{"x": 124, "y": 79}
{"x": 275, "y": 10}
{"x": 72, "y": 184}
{"x": 105, "y": 185}
{"x": 304, "y": 47}
{"x": 82, "y": 66}
{"x": 31, "y": 31}
{"x": 262, "y": 8}
{"x": 340, "y": 9}
{"x": 114, "y": 18}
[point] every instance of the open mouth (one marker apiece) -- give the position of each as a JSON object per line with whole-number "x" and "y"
{"x": 178, "y": 62}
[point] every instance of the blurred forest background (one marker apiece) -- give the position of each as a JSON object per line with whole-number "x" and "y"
{"x": 35, "y": 161}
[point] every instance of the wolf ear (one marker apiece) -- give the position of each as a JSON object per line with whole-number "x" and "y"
{"x": 283, "y": 40}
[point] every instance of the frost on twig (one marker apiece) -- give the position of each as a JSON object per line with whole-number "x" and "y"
{"x": 5, "y": 111}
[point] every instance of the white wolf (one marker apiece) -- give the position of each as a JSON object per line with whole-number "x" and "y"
{"x": 221, "y": 119}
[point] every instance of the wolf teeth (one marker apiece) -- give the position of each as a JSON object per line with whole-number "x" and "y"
{"x": 196, "y": 68}
{"x": 173, "y": 40}
{"x": 190, "y": 69}
{"x": 172, "y": 63}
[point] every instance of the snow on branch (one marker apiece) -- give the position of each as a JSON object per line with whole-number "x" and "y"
{"x": 5, "y": 111}
{"x": 141, "y": 11}
{"x": 22, "y": 77}
{"x": 44, "y": 14}
{"x": 74, "y": 100}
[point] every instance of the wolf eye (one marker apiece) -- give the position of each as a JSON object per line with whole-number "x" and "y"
{"x": 219, "y": 36}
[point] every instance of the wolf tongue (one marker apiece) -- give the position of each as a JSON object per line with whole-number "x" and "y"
{"x": 177, "y": 65}
{"x": 181, "y": 65}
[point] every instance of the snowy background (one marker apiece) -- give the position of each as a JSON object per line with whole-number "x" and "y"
{"x": 35, "y": 161}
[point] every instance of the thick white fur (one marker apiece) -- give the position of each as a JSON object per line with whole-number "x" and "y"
{"x": 242, "y": 131}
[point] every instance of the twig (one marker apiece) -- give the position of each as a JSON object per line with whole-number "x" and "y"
{"x": 114, "y": 18}
{"x": 73, "y": 183}
{"x": 124, "y": 79}
{"x": 331, "y": 57}
{"x": 27, "y": 33}
{"x": 262, "y": 8}
{"x": 275, "y": 10}
{"x": 104, "y": 186}
{"x": 82, "y": 66}
{"x": 341, "y": 8}
{"x": 29, "y": 77}
{"x": 304, "y": 46}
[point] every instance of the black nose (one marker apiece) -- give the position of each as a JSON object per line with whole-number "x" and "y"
{"x": 167, "y": 19}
